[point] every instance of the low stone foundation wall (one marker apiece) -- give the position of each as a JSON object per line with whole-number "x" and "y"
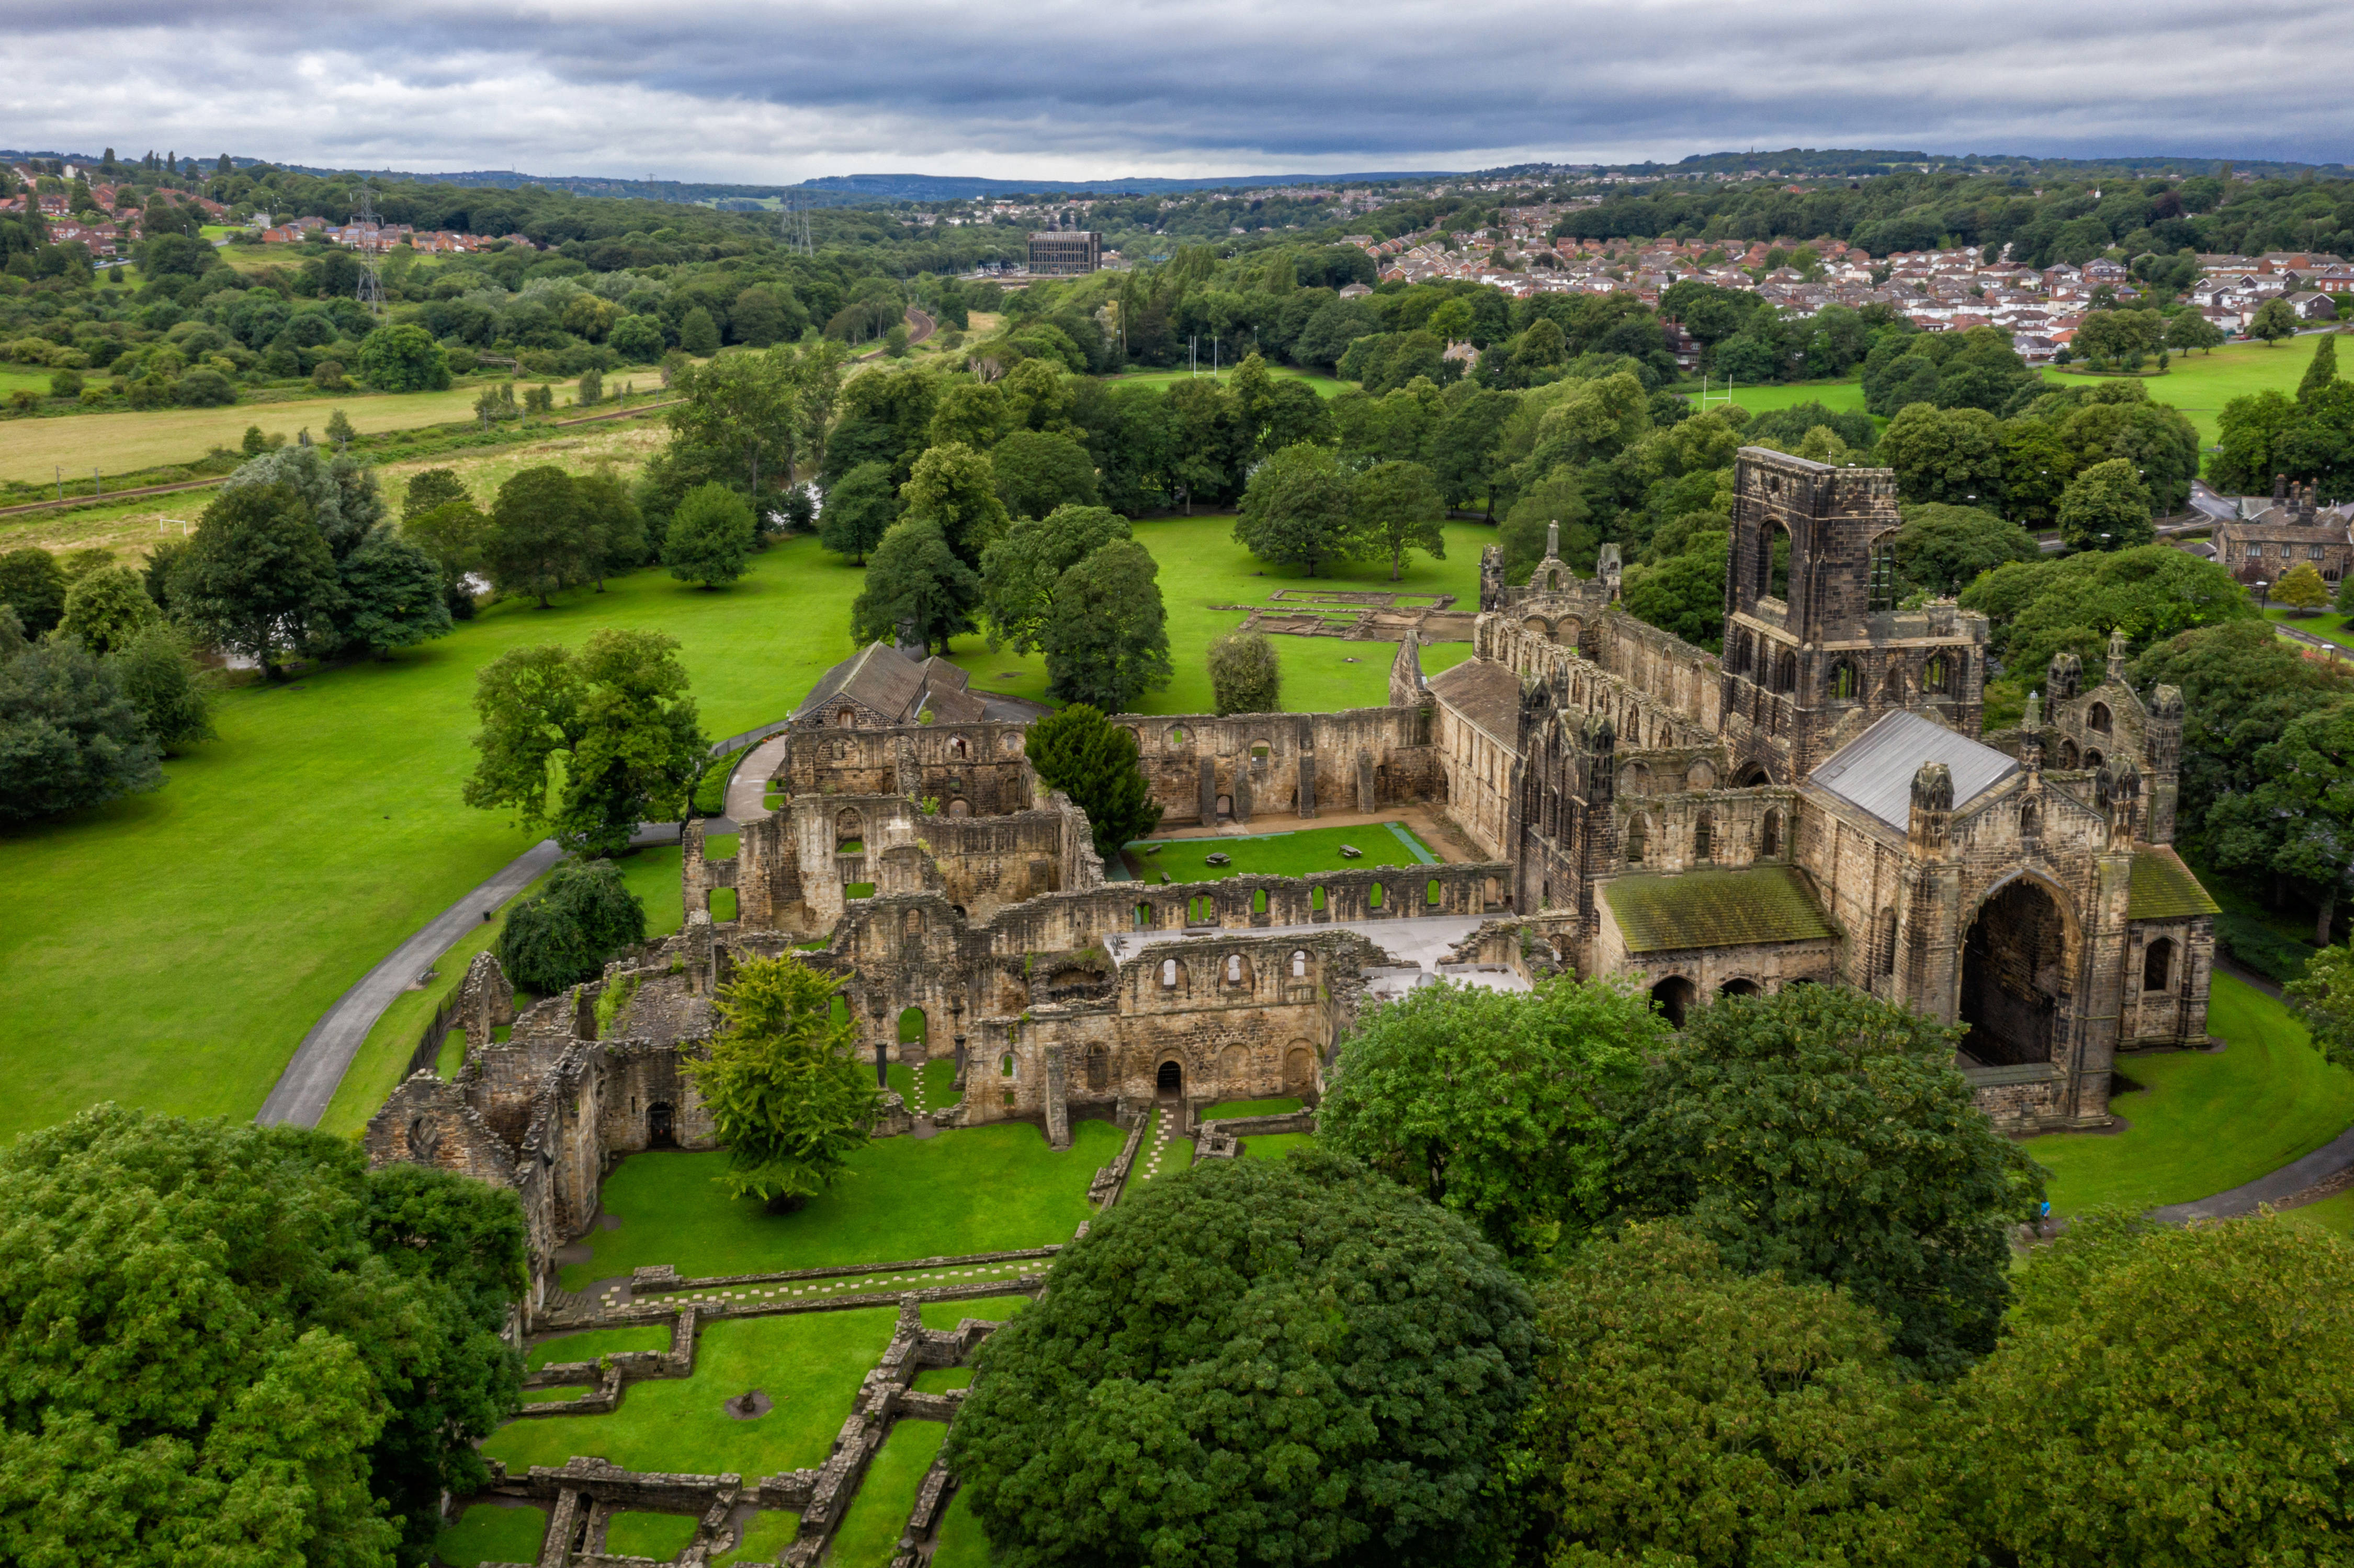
{"x": 1222, "y": 1139}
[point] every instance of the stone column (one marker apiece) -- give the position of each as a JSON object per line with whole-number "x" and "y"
{"x": 1307, "y": 784}
{"x": 1243, "y": 788}
{"x": 1058, "y": 1115}
{"x": 1209, "y": 790}
{"x": 1368, "y": 800}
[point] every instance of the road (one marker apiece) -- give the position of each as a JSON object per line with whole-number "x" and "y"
{"x": 919, "y": 327}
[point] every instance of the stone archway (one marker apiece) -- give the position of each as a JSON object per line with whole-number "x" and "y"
{"x": 2017, "y": 961}
{"x": 1673, "y": 997}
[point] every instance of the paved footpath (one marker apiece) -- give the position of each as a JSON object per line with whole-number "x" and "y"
{"x": 303, "y": 1090}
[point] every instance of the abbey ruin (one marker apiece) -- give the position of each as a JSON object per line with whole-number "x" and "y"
{"x": 1816, "y": 806}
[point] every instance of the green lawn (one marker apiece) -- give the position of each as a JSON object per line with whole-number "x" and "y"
{"x": 940, "y": 1380}
{"x": 961, "y": 1543}
{"x": 940, "y": 1083}
{"x": 1175, "y": 1155}
{"x": 589, "y": 1344}
{"x": 281, "y": 862}
{"x": 765, "y": 1540}
{"x": 660, "y": 1536}
{"x": 1292, "y": 853}
{"x": 2334, "y": 1215}
{"x": 1276, "y": 1145}
{"x": 1251, "y": 1107}
{"x": 983, "y": 1189}
{"x": 2204, "y": 1124}
{"x": 2201, "y": 384}
{"x": 869, "y": 1536}
{"x": 1835, "y": 395}
{"x": 1326, "y": 386}
{"x": 809, "y": 1365}
{"x": 486, "y": 1533}
{"x": 2328, "y": 625}
{"x": 943, "y": 1316}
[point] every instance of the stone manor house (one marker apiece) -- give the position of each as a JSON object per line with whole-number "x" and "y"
{"x": 1816, "y": 806}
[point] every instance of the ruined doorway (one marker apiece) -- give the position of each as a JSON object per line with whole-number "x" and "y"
{"x": 658, "y": 1126}
{"x": 1673, "y": 997}
{"x": 2014, "y": 977}
{"x": 1170, "y": 1079}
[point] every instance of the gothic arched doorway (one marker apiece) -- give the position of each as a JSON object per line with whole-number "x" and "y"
{"x": 1673, "y": 996}
{"x": 1170, "y": 1079}
{"x": 2015, "y": 969}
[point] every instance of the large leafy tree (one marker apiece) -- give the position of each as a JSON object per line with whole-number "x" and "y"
{"x": 858, "y": 510}
{"x": 2071, "y": 604}
{"x": 1950, "y": 455}
{"x": 34, "y": 585}
{"x": 954, "y": 488}
{"x": 1095, "y": 762}
{"x": 309, "y": 1386}
{"x": 1107, "y": 636}
{"x": 2107, "y": 507}
{"x": 1300, "y": 509}
{"x": 453, "y": 534}
{"x": 1687, "y": 1412}
{"x": 916, "y": 579}
{"x": 107, "y": 609}
{"x": 1827, "y": 1134}
{"x": 1245, "y": 674}
{"x": 2167, "y": 1394}
{"x": 1502, "y": 1108}
{"x": 1037, "y": 472}
{"x": 394, "y": 594}
{"x": 2296, "y": 820}
{"x": 789, "y": 1099}
{"x": 566, "y": 934}
{"x": 538, "y": 541}
{"x": 2242, "y": 686}
{"x": 710, "y": 538}
{"x": 1257, "y": 1362}
{"x": 1020, "y": 571}
{"x": 404, "y": 359}
{"x": 744, "y": 410}
{"x": 1399, "y": 509}
{"x": 258, "y": 576}
{"x": 1685, "y": 593}
{"x": 159, "y": 674}
{"x": 1943, "y": 548}
{"x": 68, "y": 736}
{"x": 587, "y": 744}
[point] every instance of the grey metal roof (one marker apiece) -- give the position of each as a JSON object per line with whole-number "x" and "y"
{"x": 1875, "y": 770}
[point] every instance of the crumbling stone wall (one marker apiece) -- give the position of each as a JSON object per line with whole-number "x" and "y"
{"x": 1203, "y": 768}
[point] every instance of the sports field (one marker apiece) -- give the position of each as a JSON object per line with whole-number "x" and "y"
{"x": 1836, "y": 396}
{"x": 2201, "y": 384}
{"x": 1326, "y": 386}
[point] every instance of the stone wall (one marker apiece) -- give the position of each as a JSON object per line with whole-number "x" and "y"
{"x": 1202, "y": 768}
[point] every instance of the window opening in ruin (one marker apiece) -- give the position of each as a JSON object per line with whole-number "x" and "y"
{"x": 1299, "y": 963}
{"x": 1202, "y": 911}
{"x": 2014, "y": 977}
{"x": 1170, "y": 1079}
{"x": 2157, "y": 965}
{"x": 2097, "y": 717}
{"x": 1430, "y": 894}
{"x": 1886, "y": 585}
{"x": 1703, "y": 838}
{"x": 1144, "y": 916}
{"x": 1233, "y": 969}
{"x": 1842, "y": 682}
{"x": 1258, "y": 901}
{"x": 2093, "y": 758}
{"x": 1259, "y": 753}
{"x": 1226, "y": 805}
{"x": 1006, "y": 1099}
{"x": 1169, "y": 974}
{"x": 1316, "y": 899}
{"x": 1787, "y": 676}
{"x": 1553, "y": 582}
{"x": 1769, "y": 837}
{"x": 1674, "y": 998}
{"x": 915, "y": 1030}
{"x": 1373, "y": 896}
{"x": 882, "y": 1065}
{"x": 1636, "y": 834}
{"x": 957, "y": 748}
{"x": 1005, "y": 1066}
{"x": 1737, "y": 988}
{"x": 2030, "y": 820}
{"x": 1099, "y": 1067}
{"x": 1177, "y": 735}
{"x": 846, "y": 717}
{"x": 658, "y": 1126}
{"x": 1887, "y": 941}
{"x": 1773, "y": 562}
{"x": 959, "y": 808}
{"x": 1933, "y": 675}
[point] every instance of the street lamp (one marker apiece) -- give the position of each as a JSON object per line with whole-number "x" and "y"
{"x": 2262, "y": 598}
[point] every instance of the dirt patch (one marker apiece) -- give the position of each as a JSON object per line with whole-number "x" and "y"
{"x": 749, "y": 1405}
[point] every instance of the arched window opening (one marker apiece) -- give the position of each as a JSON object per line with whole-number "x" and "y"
{"x": 1673, "y": 997}
{"x": 2031, "y": 818}
{"x": 1169, "y": 974}
{"x": 957, "y": 748}
{"x": 1704, "y": 838}
{"x": 1373, "y": 896}
{"x": 1233, "y": 969}
{"x": 1316, "y": 899}
{"x": 846, "y": 717}
{"x": 1887, "y": 941}
{"x": 2097, "y": 717}
{"x": 1769, "y": 837}
{"x": 1737, "y": 988}
{"x": 1430, "y": 894}
{"x": 1005, "y": 1066}
{"x": 1843, "y": 681}
{"x": 2157, "y": 965}
{"x": 1258, "y": 901}
{"x": 1886, "y": 587}
{"x": 1934, "y": 675}
{"x": 1144, "y": 916}
{"x": 1299, "y": 963}
{"x": 1177, "y": 735}
{"x": 1636, "y": 834}
{"x": 1099, "y": 1067}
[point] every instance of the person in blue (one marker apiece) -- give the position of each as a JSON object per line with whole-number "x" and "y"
{"x": 2042, "y": 1215}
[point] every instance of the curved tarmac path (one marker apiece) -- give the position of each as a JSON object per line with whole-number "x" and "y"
{"x": 311, "y": 1076}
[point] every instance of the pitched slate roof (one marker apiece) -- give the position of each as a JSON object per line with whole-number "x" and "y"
{"x": 1715, "y": 910}
{"x": 2163, "y": 888}
{"x": 878, "y": 677}
{"x": 1487, "y": 693}
{"x": 1875, "y": 770}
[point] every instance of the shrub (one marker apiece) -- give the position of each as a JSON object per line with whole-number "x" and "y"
{"x": 566, "y": 935}
{"x": 1245, "y": 674}
{"x": 205, "y": 388}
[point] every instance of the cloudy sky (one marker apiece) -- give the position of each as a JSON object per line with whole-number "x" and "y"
{"x": 1063, "y": 88}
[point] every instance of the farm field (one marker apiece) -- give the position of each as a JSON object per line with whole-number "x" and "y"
{"x": 2203, "y": 1124}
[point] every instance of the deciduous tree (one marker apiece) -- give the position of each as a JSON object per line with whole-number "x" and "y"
{"x": 954, "y": 488}
{"x": 2107, "y": 507}
{"x": 68, "y": 736}
{"x": 566, "y": 934}
{"x": 916, "y": 579}
{"x": 1245, "y": 674}
{"x": 403, "y": 358}
{"x": 1020, "y": 571}
{"x": 1299, "y": 509}
{"x": 257, "y": 577}
{"x": 538, "y": 541}
{"x": 107, "y": 609}
{"x": 789, "y": 1099}
{"x": 710, "y": 538}
{"x": 1105, "y": 637}
{"x": 393, "y": 595}
{"x": 1399, "y": 509}
{"x": 858, "y": 510}
{"x": 1037, "y": 472}
{"x": 1943, "y": 548}
{"x": 1254, "y": 1362}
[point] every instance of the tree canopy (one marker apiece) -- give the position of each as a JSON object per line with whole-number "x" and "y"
{"x": 1253, "y": 1362}
{"x": 1095, "y": 762}
{"x": 565, "y": 934}
{"x": 789, "y": 1099}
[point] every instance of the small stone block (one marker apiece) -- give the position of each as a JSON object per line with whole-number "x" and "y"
{"x": 1221, "y": 858}
{"x": 1350, "y": 852}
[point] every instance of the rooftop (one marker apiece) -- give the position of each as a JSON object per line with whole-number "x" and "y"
{"x": 1715, "y": 910}
{"x": 2163, "y": 888}
{"x": 1875, "y": 770}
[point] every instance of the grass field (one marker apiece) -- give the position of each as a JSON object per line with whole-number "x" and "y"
{"x": 944, "y": 1316}
{"x": 982, "y": 1189}
{"x": 1326, "y": 386}
{"x": 764, "y": 1540}
{"x": 2334, "y": 1215}
{"x": 486, "y": 1533}
{"x": 809, "y": 1365}
{"x": 2203, "y": 1124}
{"x": 1836, "y": 396}
{"x": 869, "y": 1536}
{"x": 2201, "y": 384}
{"x": 660, "y": 1536}
{"x": 2329, "y": 625}
{"x": 591, "y": 1343}
{"x": 940, "y": 1083}
{"x": 961, "y": 1543}
{"x": 1280, "y": 853}
{"x": 1276, "y": 1145}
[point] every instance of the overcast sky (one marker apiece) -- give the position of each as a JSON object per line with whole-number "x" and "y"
{"x": 1063, "y": 88}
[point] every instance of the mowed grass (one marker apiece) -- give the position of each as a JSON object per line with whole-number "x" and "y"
{"x": 660, "y": 1536}
{"x": 809, "y": 1365}
{"x": 1326, "y": 386}
{"x": 2204, "y": 1124}
{"x": 764, "y": 1540}
{"x": 961, "y": 1543}
{"x": 1836, "y": 396}
{"x": 1276, "y": 1145}
{"x": 1201, "y": 570}
{"x": 1251, "y": 1107}
{"x": 592, "y": 1343}
{"x": 1294, "y": 853}
{"x": 2329, "y": 625}
{"x": 982, "y": 1189}
{"x": 2201, "y": 384}
{"x": 487, "y": 1532}
{"x": 869, "y": 1536}
{"x": 214, "y": 920}
{"x": 944, "y": 1316}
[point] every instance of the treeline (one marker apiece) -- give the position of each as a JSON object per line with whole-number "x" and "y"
{"x": 2066, "y": 220}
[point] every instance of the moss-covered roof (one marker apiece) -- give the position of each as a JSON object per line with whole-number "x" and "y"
{"x": 2164, "y": 889}
{"x": 1715, "y": 910}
